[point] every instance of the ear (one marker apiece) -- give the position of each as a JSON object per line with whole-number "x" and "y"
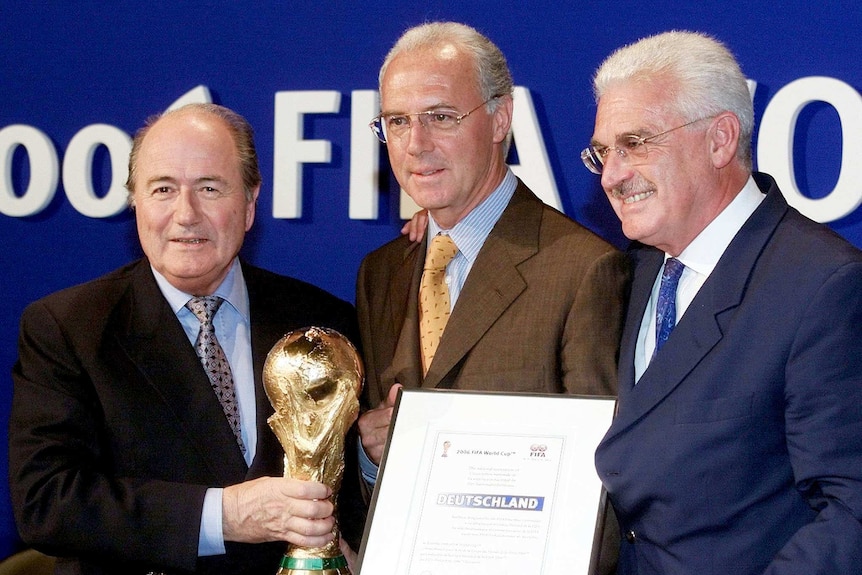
{"x": 723, "y": 139}
{"x": 251, "y": 207}
{"x": 502, "y": 118}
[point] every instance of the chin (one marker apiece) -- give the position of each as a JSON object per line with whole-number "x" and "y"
{"x": 633, "y": 233}
{"x": 189, "y": 273}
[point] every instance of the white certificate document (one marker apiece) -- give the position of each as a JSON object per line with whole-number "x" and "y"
{"x": 492, "y": 483}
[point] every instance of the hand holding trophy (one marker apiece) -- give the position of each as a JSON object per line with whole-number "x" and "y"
{"x": 313, "y": 377}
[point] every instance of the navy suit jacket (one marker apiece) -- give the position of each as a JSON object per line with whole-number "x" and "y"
{"x": 739, "y": 451}
{"x": 115, "y": 433}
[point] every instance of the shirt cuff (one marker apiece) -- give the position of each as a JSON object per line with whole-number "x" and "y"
{"x": 211, "y": 539}
{"x": 366, "y": 466}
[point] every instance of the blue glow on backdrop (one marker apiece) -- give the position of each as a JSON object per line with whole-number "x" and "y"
{"x": 76, "y": 80}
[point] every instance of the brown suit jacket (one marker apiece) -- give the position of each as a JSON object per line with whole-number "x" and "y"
{"x": 541, "y": 311}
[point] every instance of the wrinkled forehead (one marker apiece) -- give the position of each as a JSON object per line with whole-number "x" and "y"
{"x": 633, "y": 107}
{"x": 428, "y": 77}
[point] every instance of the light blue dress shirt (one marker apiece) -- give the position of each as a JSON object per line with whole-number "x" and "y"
{"x": 471, "y": 232}
{"x": 233, "y": 331}
{"x": 469, "y": 235}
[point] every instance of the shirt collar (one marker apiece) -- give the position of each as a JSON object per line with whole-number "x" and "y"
{"x": 232, "y": 289}
{"x": 470, "y": 233}
{"x": 703, "y": 253}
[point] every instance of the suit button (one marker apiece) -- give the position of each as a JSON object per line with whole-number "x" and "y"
{"x": 630, "y": 536}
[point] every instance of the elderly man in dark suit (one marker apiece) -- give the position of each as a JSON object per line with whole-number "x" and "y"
{"x": 122, "y": 458}
{"x": 534, "y": 300}
{"x": 736, "y": 447}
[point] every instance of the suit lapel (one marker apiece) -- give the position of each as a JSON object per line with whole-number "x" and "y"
{"x": 155, "y": 342}
{"x": 265, "y": 332}
{"x": 493, "y": 284}
{"x": 646, "y": 267}
{"x": 403, "y": 308}
{"x": 704, "y": 322}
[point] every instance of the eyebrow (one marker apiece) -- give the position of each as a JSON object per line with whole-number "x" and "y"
{"x": 197, "y": 181}
{"x": 639, "y": 133}
{"x": 431, "y": 108}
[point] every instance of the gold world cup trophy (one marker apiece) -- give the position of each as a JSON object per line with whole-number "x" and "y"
{"x": 312, "y": 378}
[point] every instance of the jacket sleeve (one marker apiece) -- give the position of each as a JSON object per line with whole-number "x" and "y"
{"x": 590, "y": 346}
{"x": 66, "y": 497}
{"x": 823, "y": 418}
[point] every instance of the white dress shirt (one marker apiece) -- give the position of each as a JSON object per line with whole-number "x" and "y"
{"x": 700, "y": 257}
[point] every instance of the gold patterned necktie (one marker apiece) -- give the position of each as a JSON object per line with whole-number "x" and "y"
{"x": 434, "y": 296}
{"x": 214, "y": 360}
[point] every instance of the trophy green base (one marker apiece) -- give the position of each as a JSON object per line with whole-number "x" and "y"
{"x": 313, "y": 566}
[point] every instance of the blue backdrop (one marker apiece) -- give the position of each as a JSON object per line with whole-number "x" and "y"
{"x": 77, "y": 78}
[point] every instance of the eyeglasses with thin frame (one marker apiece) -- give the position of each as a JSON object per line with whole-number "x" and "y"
{"x": 437, "y": 121}
{"x": 628, "y": 146}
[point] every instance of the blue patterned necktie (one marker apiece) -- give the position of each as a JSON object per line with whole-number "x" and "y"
{"x": 665, "y": 311}
{"x": 214, "y": 360}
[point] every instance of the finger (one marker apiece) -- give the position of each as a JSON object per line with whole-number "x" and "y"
{"x": 393, "y": 395}
{"x": 417, "y": 225}
{"x": 373, "y": 420}
{"x": 304, "y": 490}
{"x": 310, "y": 532}
{"x": 349, "y": 554}
{"x": 375, "y": 451}
{"x": 310, "y": 509}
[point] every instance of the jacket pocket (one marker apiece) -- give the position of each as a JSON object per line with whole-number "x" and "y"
{"x": 522, "y": 380}
{"x": 709, "y": 410}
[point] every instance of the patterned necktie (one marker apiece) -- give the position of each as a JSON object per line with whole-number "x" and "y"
{"x": 434, "y": 296}
{"x": 214, "y": 360}
{"x": 665, "y": 311}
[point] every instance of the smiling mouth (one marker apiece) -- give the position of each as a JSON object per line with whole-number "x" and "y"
{"x": 427, "y": 173}
{"x": 631, "y": 198}
{"x": 638, "y": 197}
{"x": 190, "y": 240}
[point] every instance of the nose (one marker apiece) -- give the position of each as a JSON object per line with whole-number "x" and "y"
{"x": 418, "y": 137}
{"x": 615, "y": 170}
{"x": 187, "y": 207}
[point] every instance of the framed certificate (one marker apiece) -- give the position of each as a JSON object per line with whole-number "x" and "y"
{"x": 496, "y": 483}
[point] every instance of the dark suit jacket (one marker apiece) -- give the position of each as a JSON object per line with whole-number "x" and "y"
{"x": 739, "y": 449}
{"x": 115, "y": 433}
{"x": 541, "y": 311}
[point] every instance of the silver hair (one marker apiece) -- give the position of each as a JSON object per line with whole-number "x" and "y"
{"x": 702, "y": 75}
{"x": 493, "y": 77}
